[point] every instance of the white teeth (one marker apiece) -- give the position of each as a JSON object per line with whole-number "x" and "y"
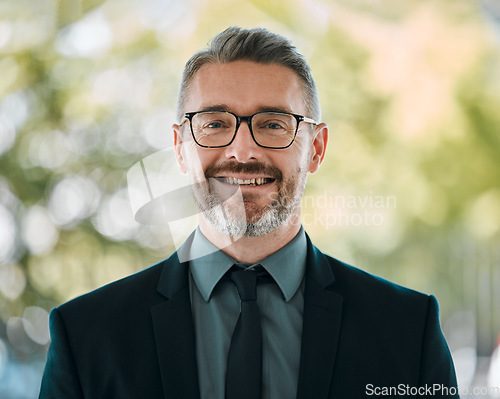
{"x": 254, "y": 182}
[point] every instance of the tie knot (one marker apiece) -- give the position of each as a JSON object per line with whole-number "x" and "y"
{"x": 246, "y": 284}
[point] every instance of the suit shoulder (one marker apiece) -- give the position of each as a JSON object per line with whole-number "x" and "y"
{"x": 354, "y": 281}
{"x": 118, "y": 294}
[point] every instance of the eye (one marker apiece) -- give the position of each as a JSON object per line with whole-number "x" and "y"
{"x": 213, "y": 125}
{"x": 273, "y": 122}
{"x": 273, "y": 126}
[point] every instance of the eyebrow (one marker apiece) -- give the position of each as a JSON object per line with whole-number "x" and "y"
{"x": 216, "y": 107}
{"x": 226, "y": 108}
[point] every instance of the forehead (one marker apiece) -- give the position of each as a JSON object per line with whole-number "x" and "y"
{"x": 245, "y": 87}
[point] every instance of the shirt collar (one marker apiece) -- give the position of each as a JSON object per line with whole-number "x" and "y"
{"x": 286, "y": 266}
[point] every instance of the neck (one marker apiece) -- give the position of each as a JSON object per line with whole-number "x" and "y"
{"x": 253, "y": 249}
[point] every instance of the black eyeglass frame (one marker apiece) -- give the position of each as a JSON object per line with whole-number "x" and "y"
{"x": 299, "y": 118}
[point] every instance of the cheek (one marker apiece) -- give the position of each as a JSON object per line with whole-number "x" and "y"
{"x": 303, "y": 143}
{"x": 306, "y": 156}
{"x": 298, "y": 162}
{"x": 199, "y": 159}
{"x": 192, "y": 159}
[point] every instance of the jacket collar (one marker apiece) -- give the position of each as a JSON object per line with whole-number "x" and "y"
{"x": 321, "y": 327}
{"x": 174, "y": 332}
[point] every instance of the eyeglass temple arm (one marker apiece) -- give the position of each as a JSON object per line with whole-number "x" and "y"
{"x": 308, "y": 120}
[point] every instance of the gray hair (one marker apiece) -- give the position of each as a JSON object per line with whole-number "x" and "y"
{"x": 258, "y": 45}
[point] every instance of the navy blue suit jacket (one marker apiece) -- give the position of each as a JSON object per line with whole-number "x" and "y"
{"x": 135, "y": 338}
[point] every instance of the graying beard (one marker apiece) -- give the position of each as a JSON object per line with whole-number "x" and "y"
{"x": 273, "y": 216}
{"x": 270, "y": 220}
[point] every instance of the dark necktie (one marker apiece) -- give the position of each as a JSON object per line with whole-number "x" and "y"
{"x": 244, "y": 363}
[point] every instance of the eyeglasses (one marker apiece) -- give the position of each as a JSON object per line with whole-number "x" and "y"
{"x": 215, "y": 129}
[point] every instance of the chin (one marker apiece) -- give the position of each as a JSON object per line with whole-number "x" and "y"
{"x": 252, "y": 225}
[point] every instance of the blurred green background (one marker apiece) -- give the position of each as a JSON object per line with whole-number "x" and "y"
{"x": 409, "y": 190}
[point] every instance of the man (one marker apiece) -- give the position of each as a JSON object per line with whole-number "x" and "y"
{"x": 256, "y": 310}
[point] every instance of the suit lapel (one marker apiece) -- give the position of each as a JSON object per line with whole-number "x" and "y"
{"x": 321, "y": 327}
{"x": 174, "y": 332}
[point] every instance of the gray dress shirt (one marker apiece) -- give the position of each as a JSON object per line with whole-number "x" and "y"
{"x": 216, "y": 305}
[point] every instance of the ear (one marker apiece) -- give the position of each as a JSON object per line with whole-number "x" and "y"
{"x": 178, "y": 148}
{"x": 320, "y": 139}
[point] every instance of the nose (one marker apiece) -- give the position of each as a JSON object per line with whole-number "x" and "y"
{"x": 243, "y": 148}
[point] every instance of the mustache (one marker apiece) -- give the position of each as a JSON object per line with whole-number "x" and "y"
{"x": 249, "y": 167}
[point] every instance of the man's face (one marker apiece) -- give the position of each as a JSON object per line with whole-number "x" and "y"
{"x": 254, "y": 208}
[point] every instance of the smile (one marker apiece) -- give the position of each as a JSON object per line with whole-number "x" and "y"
{"x": 258, "y": 181}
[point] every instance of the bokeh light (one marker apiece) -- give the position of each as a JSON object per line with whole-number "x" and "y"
{"x": 3, "y": 358}
{"x": 12, "y": 281}
{"x": 36, "y": 324}
{"x": 7, "y": 234}
{"x": 114, "y": 218}
{"x": 38, "y": 230}
{"x": 72, "y": 199}
{"x": 89, "y": 37}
